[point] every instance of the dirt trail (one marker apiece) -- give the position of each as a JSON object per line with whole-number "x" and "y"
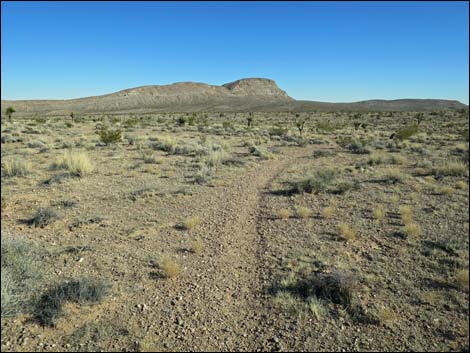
{"x": 226, "y": 303}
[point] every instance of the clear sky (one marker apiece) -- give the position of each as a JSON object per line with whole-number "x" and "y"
{"x": 324, "y": 51}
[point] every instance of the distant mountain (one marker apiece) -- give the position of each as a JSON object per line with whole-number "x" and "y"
{"x": 249, "y": 94}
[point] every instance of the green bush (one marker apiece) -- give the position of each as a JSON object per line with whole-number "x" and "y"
{"x": 315, "y": 184}
{"x": 109, "y": 136}
{"x": 406, "y": 132}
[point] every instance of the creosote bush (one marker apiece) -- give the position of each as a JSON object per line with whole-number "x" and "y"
{"x": 406, "y": 132}
{"x": 319, "y": 182}
{"x": 109, "y": 136}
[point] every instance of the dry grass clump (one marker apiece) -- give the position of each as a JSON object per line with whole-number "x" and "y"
{"x": 197, "y": 246}
{"x": 284, "y": 213}
{"x": 215, "y": 158}
{"x": 304, "y": 212}
{"x": 462, "y": 278}
{"x": 412, "y": 230}
{"x": 378, "y": 213}
{"x": 191, "y": 223}
{"x": 450, "y": 168}
{"x": 328, "y": 212}
{"x": 316, "y": 307}
{"x": 16, "y": 167}
{"x": 84, "y": 290}
{"x": 391, "y": 175}
{"x": 346, "y": 232}
{"x": 77, "y": 163}
{"x": 384, "y": 315}
{"x": 22, "y": 273}
{"x": 445, "y": 190}
{"x": 169, "y": 267}
{"x": 460, "y": 185}
{"x": 150, "y": 158}
{"x": 406, "y": 214}
{"x": 288, "y": 302}
{"x": 163, "y": 144}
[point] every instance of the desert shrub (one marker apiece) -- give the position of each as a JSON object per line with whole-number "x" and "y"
{"x": 260, "y": 152}
{"x": 214, "y": 158}
{"x": 16, "y": 167}
{"x": 377, "y": 159}
{"x": 278, "y": 131}
{"x": 465, "y": 134}
{"x": 138, "y": 141}
{"x": 298, "y": 294}
{"x": 323, "y": 153}
{"x": 163, "y": 144}
{"x": 317, "y": 183}
{"x": 129, "y": 123}
{"x": 182, "y": 120}
{"x": 36, "y": 144}
{"x": 150, "y": 158}
{"x": 21, "y": 275}
{"x": 83, "y": 290}
{"x": 326, "y": 127}
{"x": 346, "y": 186}
{"x": 406, "y": 132}
{"x": 77, "y": 163}
{"x": 43, "y": 217}
{"x": 359, "y": 147}
{"x": 109, "y": 136}
{"x": 203, "y": 175}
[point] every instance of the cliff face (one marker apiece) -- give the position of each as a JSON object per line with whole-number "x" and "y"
{"x": 256, "y": 87}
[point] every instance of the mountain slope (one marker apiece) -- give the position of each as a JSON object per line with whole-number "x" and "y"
{"x": 251, "y": 94}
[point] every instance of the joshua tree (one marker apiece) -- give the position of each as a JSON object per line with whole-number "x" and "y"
{"x": 9, "y": 112}
{"x": 300, "y": 125}
{"x": 249, "y": 120}
{"x": 419, "y": 117}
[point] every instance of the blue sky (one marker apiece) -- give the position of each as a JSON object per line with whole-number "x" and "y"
{"x": 324, "y": 51}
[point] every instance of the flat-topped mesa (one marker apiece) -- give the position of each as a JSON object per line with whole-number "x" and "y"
{"x": 256, "y": 87}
